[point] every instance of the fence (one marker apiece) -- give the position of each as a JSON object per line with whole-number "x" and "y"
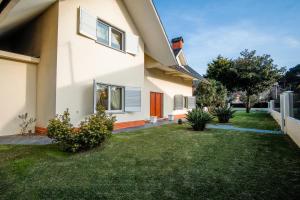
{"x": 287, "y": 116}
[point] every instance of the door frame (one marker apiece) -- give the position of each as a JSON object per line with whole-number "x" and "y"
{"x": 161, "y": 102}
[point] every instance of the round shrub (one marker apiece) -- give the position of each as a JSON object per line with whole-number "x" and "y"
{"x": 198, "y": 119}
{"x": 93, "y": 131}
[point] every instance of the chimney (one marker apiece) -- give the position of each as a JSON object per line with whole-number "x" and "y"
{"x": 177, "y": 43}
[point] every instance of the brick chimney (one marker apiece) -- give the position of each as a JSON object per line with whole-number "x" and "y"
{"x": 177, "y": 43}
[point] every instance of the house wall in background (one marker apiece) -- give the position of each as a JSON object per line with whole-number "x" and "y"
{"x": 18, "y": 91}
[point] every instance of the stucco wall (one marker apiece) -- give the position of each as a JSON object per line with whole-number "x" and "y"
{"x": 80, "y": 59}
{"x": 18, "y": 94}
{"x": 39, "y": 38}
{"x": 276, "y": 115}
{"x": 293, "y": 127}
{"x": 46, "y": 73}
{"x": 157, "y": 81}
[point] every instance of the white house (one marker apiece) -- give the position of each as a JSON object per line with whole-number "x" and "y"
{"x": 74, "y": 53}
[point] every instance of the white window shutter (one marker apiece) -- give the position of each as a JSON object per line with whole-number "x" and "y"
{"x": 87, "y": 24}
{"x": 94, "y": 97}
{"x": 133, "y": 99}
{"x": 132, "y": 43}
{"x": 178, "y": 102}
{"x": 191, "y": 102}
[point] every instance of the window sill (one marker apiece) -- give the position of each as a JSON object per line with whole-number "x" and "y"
{"x": 122, "y": 51}
{"x": 115, "y": 112}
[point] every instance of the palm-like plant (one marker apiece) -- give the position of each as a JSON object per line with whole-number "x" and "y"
{"x": 198, "y": 119}
{"x": 223, "y": 114}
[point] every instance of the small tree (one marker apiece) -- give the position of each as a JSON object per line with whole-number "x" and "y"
{"x": 255, "y": 74}
{"x": 249, "y": 73}
{"x": 210, "y": 93}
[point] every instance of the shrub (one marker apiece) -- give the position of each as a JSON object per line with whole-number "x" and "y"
{"x": 198, "y": 119}
{"x": 223, "y": 114}
{"x": 26, "y": 123}
{"x": 93, "y": 131}
{"x": 179, "y": 121}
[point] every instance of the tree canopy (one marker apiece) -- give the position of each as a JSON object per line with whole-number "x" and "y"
{"x": 291, "y": 80}
{"x": 210, "y": 93}
{"x": 221, "y": 69}
{"x": 249, "y": 73}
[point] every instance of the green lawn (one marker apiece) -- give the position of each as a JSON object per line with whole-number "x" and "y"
{"x": 168, "y": 162}
{"x": 259, "y": 120}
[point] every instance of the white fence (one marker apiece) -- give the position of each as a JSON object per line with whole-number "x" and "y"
{"x": 284, "y": 118}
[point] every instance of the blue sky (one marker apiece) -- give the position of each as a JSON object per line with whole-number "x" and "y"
{"x": 226, "y": 27}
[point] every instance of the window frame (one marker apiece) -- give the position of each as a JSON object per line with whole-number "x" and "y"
{"x": 185, "y": 102}
{"x": 109, "y": 86}
{"x": 110, "y": 28}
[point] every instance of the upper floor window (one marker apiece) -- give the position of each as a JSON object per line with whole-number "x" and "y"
{"x": 110, "y": 36}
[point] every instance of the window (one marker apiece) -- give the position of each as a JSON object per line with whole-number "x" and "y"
{"x": 186, "y": 102}
{"x": 116, "y": 39}
{"x": 102, "y": 33}
{"x": 110, "y": 36}
{"x": 110, "y": 97}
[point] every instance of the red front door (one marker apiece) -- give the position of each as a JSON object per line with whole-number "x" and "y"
{"x": 156, "y": 104}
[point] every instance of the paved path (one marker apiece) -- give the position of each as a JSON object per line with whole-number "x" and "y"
{"x": 230, "y": 127}
{"x": 148, "y": 125}
{"x": 20, "y": 139}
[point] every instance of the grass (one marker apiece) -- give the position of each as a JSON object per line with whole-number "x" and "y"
{"x": 258, "y": 120}
{"x": 168, "y": 162}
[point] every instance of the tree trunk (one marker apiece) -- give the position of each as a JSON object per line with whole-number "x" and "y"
{"x": 248, "y": 104}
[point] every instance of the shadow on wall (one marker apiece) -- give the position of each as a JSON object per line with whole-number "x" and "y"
{"x": 18, "y": 95}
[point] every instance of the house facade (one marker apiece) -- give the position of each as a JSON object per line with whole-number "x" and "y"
{"x": 72, "y": 54}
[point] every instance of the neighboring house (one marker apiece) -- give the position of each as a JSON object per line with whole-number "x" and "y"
{"x": 74, "y": 54}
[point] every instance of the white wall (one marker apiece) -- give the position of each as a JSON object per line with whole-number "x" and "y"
{"x": 157, "y": 81}
{"x": 293, "y": 129}
{"x": 18, "y": 94}
{"x": 276, "y": 115}
{"x": 80, "y": 59}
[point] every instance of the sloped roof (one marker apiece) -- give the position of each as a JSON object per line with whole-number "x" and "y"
{"x": 187, "y": 70}
{"x": 176, "y": 51}
{"x": 192, "y": 71}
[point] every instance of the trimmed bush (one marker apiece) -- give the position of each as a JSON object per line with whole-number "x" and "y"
{"x": 179, "y": 121}
{"x": 92, "y": 132}
{"x": 198, "y": 119}
{"x": 223, "y": 114}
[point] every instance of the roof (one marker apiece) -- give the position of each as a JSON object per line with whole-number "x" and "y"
{"x": 15, "y": 13}
{"x": 176, "y": 51}
{"x": 187, "y": 70}
{"x": 192, "y": 71}
{"x": 145, "y": 17}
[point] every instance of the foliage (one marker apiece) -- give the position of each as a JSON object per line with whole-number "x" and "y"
{"x": 93, "y": 131}
{"x": 210, "y": 93}
{"x": 291, "y": 79}
{"x": 256, "y": 74}
{"x": 223, "y": 114}
{"x": 198, "y": 119}
{"x": 250, "y": 73}
{"x": 180, "y": 121}
{"x": 221, "y": 69}
{"x": 26, "y": 121}
{"x": 253, "y": 99}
